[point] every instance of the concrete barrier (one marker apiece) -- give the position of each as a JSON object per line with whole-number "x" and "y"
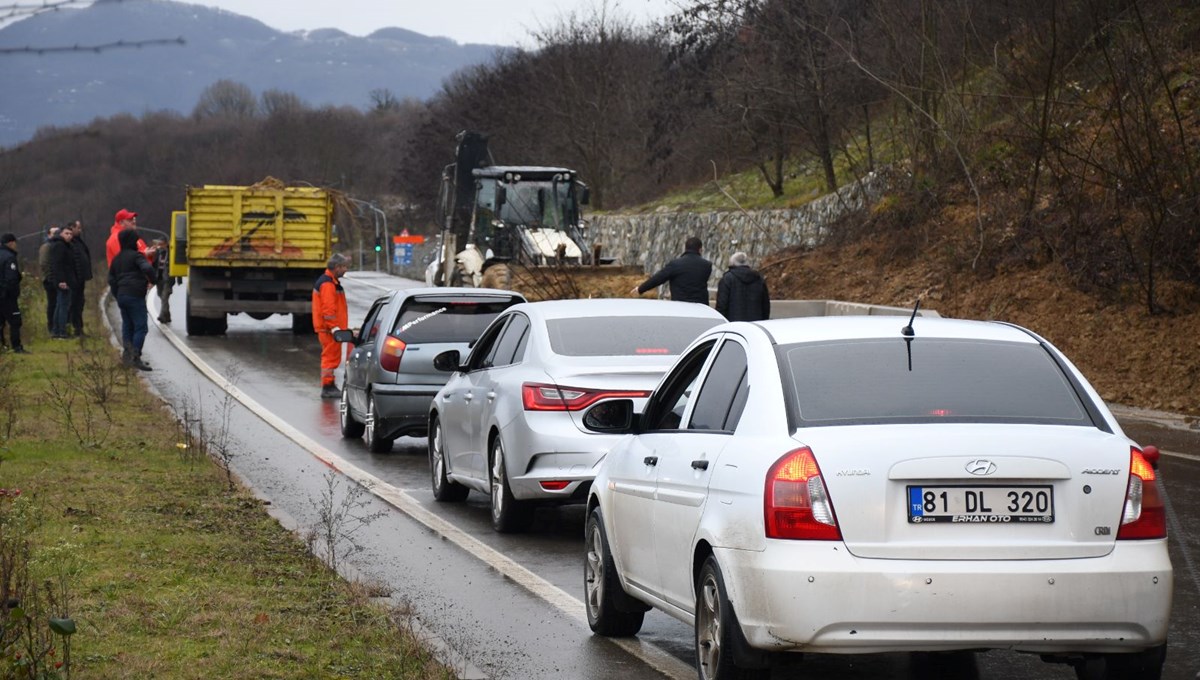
{"x": 783, "y": 309}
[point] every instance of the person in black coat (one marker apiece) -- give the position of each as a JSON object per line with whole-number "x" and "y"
{"x": 742, "y": 294}
{"x": 63, "y": 279}
{"x": 10, "y": 292}
{"x": 83, "y": 273}
{"x": 129, "y": 277}
{"x": 687, "y": 275}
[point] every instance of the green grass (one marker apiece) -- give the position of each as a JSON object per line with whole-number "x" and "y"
{"x": 168, "y": 573}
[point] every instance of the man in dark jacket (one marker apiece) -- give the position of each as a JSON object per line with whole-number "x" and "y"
{"x": 63, "y": 278}
{"x": 10, "y": 292}
{"x": 742, "y": 293}
{"x": 83, "y": 271}
{"x": 44, "y": 268}
{"x": 687, "y": 275}
{"x": 129, "y": 277}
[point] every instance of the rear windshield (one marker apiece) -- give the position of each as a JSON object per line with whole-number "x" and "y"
{"x": 880, "y": 381}
{"x": 433, "y": 320}
{"x": 607, "y": 336}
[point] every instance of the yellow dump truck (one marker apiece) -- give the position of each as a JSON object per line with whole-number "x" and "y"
{"x": 255, "y": 250}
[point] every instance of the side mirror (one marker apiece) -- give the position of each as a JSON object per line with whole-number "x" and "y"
{"x": 610, "y": 417}
{"x": 501, "y": 196}
{"x": 344, "y": 335}
{"x": 447, "y": 361}
{"x": 585, "y": 196}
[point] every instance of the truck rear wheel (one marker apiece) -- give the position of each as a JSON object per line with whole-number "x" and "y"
{"x": 195, "y": 324}
{"x": 218, "y": 326}
{"x": 301, "y": 324}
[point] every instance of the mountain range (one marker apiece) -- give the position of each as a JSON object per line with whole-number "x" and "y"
{"x": 57, "y": 87}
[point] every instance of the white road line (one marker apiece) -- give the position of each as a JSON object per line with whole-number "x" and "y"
{"x": 1176, "y": 454}
{"x": 653, "y": 656}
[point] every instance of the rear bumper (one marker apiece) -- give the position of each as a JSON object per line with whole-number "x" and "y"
{"x": 814, "y": 596}
{"x": 549, "y": 447}
{"x": 403, "y": 409}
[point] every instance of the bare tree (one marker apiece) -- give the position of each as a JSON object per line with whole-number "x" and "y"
{"x": 226, "y": 99}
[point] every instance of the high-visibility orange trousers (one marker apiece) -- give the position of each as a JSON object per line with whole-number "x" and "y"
{"x": 331, "y": 357}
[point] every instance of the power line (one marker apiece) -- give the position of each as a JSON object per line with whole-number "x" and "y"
{"x": 94, "y": 48}
{"x": 20, "y": 10}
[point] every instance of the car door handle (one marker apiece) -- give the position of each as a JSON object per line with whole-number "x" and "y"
{"x": 650, "y": 460}
{"x": 700, "y": 464}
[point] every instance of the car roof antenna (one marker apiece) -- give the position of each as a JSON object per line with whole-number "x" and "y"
{"x": 909, "y": 333}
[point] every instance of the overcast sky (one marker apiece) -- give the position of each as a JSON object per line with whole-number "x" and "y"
{"x": 496, "y": 22}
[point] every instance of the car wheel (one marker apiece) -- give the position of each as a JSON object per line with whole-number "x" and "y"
{"x": 444, "y": 490}
{"x": 351, "y": 428}
{"x": 1144, "y": 665}
{"x": 509, "y": 515}
{"x": 717, "y": 630}
{"x": 376, "y": 443}
{"x": 602, "y": 592}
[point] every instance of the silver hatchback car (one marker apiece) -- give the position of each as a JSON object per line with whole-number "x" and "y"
{"x": 390, "y": 378}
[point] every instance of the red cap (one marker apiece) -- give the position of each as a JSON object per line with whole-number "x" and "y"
{"x": 124, "y": 214}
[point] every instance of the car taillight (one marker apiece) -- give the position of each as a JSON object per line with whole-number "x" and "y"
{"x": 545, "y": 397}
{"x": 796, "y": 503}
{"x": 1144, "y": 515}
{"x": 390, "y": 355}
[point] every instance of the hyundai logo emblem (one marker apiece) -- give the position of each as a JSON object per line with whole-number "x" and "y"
{"x": 981, "y": 467}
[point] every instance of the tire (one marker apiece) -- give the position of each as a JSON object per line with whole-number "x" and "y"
{"x": 509, "y": 515}
{"x": 219, "y": 325}
{"x": 444, "y": 489}
{"x": 718, "y": 635}
{"x": 302, "y": 324}
{"x": 602, "y": 592}
{"x": 376, "y": 443}
{"x": 1144, "y": 665}
{"x": 351, "y": 428}
{"x": 195, "y": 325}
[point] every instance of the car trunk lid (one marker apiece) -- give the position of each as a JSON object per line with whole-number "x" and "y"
{"x": 976, "y": 491}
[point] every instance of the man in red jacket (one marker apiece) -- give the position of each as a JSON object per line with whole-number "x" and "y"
{"x": 328, "y": 315}
{"x": 125, "y": 219}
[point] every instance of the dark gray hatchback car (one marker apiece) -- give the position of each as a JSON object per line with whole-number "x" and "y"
{"x": 390, "y": 378}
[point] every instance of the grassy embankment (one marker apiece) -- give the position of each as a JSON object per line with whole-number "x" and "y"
{"x": 163, "y": 567}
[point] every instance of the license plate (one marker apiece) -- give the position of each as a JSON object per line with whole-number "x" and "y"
{"x": 981, "y": 504}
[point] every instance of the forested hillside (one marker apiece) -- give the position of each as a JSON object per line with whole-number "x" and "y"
{"x": 1048, "y": 153}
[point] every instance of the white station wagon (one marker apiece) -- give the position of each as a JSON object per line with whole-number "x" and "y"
{"x": 858, "y": 485}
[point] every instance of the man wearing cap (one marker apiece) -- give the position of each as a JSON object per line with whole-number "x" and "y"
{"x": 10, "y": 292}
{"x": 125, "y": 219}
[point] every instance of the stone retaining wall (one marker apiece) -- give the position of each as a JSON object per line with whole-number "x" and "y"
{"x": 651, "y": 240}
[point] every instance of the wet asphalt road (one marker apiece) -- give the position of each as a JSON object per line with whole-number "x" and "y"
{"x": 510, "y": 606}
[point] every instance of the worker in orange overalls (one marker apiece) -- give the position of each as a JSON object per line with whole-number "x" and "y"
{"x": 328, "y": 315}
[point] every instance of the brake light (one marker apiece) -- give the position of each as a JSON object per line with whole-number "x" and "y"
{"x": 555, "y": 484}
{"x": 1144, "y": 515}
{"x": 796, "y": 503}
{"x": 392, "y": 352}
{"x": 546, "y": 397}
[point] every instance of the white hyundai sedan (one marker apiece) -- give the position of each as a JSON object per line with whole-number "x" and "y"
{"x": 857, "y": 485}
{"x": 509, "y": 420}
